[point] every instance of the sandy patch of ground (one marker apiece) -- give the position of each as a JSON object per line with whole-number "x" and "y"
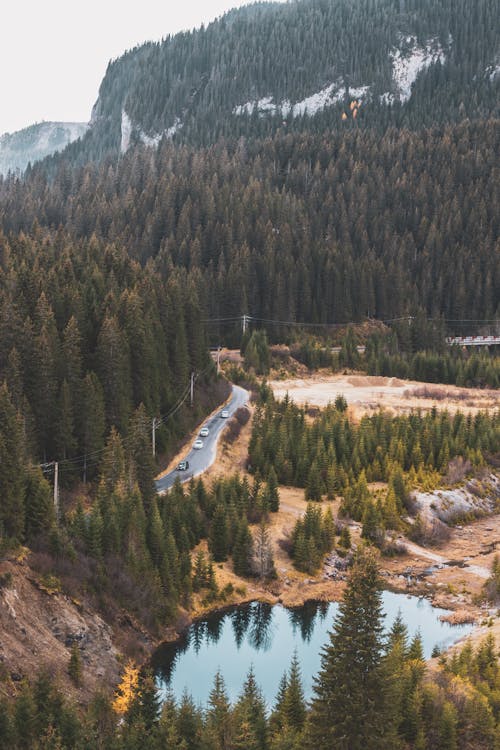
{"x": 454, "y": 573}
{"x": 368, "y": 393}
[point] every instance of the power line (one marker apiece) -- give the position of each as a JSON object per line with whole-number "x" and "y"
{"x": 93, "y": 458}
{"x": 246, "y": 318}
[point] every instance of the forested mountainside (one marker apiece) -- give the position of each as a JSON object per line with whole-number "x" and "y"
{"x": 300, "y": 227}
{"x": 299, "y": 65}
{"x": 31, "y": 144}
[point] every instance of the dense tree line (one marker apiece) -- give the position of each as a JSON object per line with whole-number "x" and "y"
{"x": 327, "y": 228}
{"x": 333, "y": 454}
{"x": 86, "y": 336}
{"x": 373, "y": 691}
{"x": 411, "y": 354}
{"x": 415, "y": 349}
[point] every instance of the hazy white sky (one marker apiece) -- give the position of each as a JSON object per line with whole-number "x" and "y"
{"x": 54, "y": 53}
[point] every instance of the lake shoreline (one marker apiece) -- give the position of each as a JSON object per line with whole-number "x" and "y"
{"x": 262, "y": 636}
{"x": 177, "y": 632}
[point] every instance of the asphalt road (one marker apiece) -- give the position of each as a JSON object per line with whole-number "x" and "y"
{"x": 201, "y": 459}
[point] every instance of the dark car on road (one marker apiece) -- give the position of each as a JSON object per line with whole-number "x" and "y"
{"x": 183, "y": 466}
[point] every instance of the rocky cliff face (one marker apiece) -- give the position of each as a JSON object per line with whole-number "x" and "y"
{"x": 39, "y": 625}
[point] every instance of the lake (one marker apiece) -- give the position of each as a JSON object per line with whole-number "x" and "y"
{"x": 264, "y": 637}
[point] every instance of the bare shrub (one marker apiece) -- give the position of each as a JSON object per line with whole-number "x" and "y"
{"x": 436, "y": 394}
{"x": 313, "y": 411}
{"x": 392, "y": 548}
{"x": 286, "y": 544}
{"x": 429, "y": 531}
{"x": 458, "y": 468}
{"x": 242, "y": 415}
{"x": 411, "y": 504}
{"x": 131, "y": 646}
{"x": 236, "y": 423}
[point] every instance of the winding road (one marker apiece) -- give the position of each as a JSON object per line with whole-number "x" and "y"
{"x": 200, "y": 459}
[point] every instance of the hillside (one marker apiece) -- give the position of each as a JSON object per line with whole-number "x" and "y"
{"x": 301, "y": 227}
{"x": 300, "y": 65}
{"x": 36, "y": 142}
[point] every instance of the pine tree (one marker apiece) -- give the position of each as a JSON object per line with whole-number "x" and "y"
{"x": 140, "y": 448}
{"x": 373, "y": 529}
{"x": 243, "y": 549}
{"x": 219, "y": 724}
{"x": 65, "y": 439}
{"x": 113, "y": 369}
{"x": 349, "y": 708}
{"x": 294, "y": 707}
{"x": 7, "y": 732}
{"x": 92, "y": 422}
{"x": 25, "y": 718}
{"x": 345, "y": 537}
{"x": 273, "y": 491}
{"x": 12, "y": 506}
{"x": 219, "y": 539}
{"x": 250, "y": 717}
{"x": 39, "y": 515}
{"x": 189, "y": 723}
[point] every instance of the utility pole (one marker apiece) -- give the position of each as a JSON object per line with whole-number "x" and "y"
{"x": 218, "y": 359}
{"x": 56, "y": 489}
{"x": 192, "y": 387}
{"x": 154, "y": 425}
{"x": 245, "y": 323}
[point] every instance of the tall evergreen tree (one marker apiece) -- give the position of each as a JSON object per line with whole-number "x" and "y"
{"x": 12, "y": 472}
{"x": 349, "y": 708}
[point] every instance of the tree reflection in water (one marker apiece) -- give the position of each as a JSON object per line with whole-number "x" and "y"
{"x": 253, "y": 621}
{"x": 264, "y": 637}
{"x": 240, "y": 620}
{"x": 304, "y": 618}
{"x": 260, "y": 634}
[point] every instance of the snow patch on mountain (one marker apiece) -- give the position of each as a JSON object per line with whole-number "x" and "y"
{"x": 263, "y": 106}
{"x": 36, "y": 142}
{"x": 127, "y": 129}
{"x": 328, "y": 96}
{"x": 408, "y": 62}
{"x": 493, "y": 72}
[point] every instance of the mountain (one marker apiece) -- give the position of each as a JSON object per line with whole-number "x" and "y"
{"x": 307, "y": 64}
{"x": 36, "y": 142}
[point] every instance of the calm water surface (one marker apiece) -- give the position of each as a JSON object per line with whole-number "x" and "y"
{"x": 264, "y": 637}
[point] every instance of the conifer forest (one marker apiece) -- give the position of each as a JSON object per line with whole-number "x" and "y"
{"x": 296, "y": 193}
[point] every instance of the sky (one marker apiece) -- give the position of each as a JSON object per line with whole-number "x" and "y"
{"x": 54, "y": 53}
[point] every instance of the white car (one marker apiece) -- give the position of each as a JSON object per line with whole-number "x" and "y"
{"x": 224, "y": 414}
{"x": 198, "y": 444}
{"x": 204, "y": 432}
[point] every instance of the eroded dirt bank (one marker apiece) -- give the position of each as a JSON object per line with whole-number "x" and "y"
{"x": 38, "y": 627}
